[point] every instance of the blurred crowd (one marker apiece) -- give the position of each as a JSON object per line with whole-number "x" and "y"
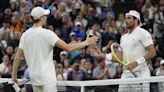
{"x": 72, "y": 20}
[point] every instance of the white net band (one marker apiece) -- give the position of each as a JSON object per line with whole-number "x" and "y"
{"x": 125, "y": 85}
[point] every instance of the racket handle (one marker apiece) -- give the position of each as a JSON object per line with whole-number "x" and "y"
{"x": 16, "y": 87}
{"x": 134, "y": 74}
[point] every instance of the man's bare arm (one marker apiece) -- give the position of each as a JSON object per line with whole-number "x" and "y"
{"x": 17, "y": 58}
{"x": 151, "y": 52}
{"x": 70, "y": 47}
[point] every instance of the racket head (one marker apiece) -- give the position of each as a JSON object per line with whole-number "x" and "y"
{"x": 119, "y": 54}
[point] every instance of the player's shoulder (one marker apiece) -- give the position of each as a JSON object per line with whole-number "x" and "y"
{"x": 47, "y": 31}
{"x": 143, "y": 31}
{"x": 26, "y": 32}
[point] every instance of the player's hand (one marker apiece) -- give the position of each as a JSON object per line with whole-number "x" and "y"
{"x": 95, "y": 52}
{"x": 132, "y": 65}
{"x": 92, "y": 40}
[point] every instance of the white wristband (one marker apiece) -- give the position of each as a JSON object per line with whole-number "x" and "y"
{"x": 141, "y": 60}
{"x": 108, "y": 57}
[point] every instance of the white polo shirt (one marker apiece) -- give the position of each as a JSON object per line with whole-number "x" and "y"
{"x": 134, "y": 44}
{"x": 37, "y": 44}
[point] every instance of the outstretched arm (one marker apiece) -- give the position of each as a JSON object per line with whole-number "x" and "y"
{"x": 70, "y": 47}
{"x": 97, "y": 53}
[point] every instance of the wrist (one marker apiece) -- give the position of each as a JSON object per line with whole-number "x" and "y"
{"x": 140, "y": 60}
{"x": 86, "y": 43}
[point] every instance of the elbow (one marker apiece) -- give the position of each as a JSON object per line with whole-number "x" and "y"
{"x": 154, "y": 54}
{"x": 16, "y": 59}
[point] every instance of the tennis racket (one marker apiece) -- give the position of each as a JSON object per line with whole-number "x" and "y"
{"x": 120, "y": 56}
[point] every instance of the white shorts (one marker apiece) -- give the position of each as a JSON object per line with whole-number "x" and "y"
{"x": 45, "y": 88}
{"x": 143, "y": 87}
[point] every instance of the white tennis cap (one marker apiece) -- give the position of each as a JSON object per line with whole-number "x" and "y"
{"x": 37, "y": 12}
{"x": 162, "y": 61}
{"x": 134, "y": 13}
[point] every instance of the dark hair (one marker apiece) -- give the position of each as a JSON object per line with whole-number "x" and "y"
{"x": 99, "y": 60}
{"x": 35, "y": 20}
{"x": 137, "y": 19}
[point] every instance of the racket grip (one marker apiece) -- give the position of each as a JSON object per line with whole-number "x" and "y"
{"x": 135, "y": 75}
{"x": 16, "y": 87}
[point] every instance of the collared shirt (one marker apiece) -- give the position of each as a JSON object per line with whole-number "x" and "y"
{"x": 135, "y": 43}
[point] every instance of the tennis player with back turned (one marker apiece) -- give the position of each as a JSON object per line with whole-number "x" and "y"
{"x": 36, "y": 45}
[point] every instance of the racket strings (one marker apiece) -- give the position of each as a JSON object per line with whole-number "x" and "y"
{"x": 120, "y": 53}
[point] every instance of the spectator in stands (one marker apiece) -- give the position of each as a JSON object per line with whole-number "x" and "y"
{"x": 7, "y": 14}
{"x": 82, "y": 63}
{"x": 4, "y": 65}
{"x": 115, "y": 70}
{"x": 27, "y": 20}
{"x": 60, "y": 75}
{"x": 138, "y": 5}
{"x": 88, "y": 68}
{"x": 15, "y": 26}
{"x": 82, "y": 55}
{"x": 120, "y": 21}
{"x": 66, "y": 66}
{"x": 9, "y": 51}
{"x": 156, "y": 66}
{"x": 67, "y": 20}
{"x": 54, "y": 19}
{"x": 160, "y": 72}
{"x": 61, "y": 9}
{"x": 81, "y": 19}
{"x": 76, "y": 74}
{"x": 95, "y": 28}
{"x": 147, "y": 23}
{"x": 63, "y": 56}
{"x": 73, "y": 39}
{"x": 5, "y": 26}
{"x": 79, "y": 31}
{"x": 8, "y": 71}
{"x": 100, "y": 72}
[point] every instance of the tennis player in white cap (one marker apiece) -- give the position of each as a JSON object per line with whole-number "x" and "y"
{"x": 138, "y": 45}
{"x": 36, "y": 45}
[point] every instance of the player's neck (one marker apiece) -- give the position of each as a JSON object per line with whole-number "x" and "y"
{"x": 133, "y": 28}
{"x": 39, "y": 24}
